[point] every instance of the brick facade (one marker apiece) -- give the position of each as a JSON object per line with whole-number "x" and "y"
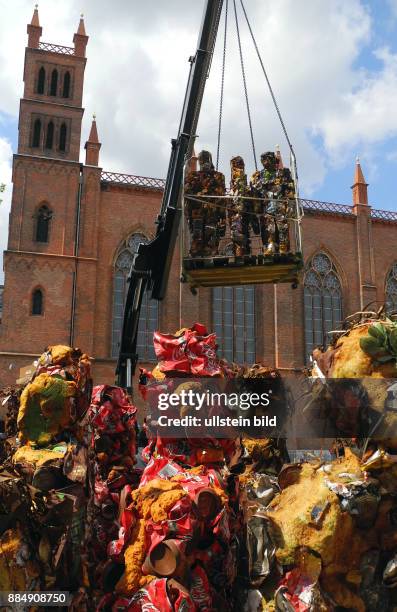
{"x": 94, "y": 212}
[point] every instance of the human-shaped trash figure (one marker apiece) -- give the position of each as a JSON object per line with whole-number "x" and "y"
{"x": 276, "y": 186}
{"x": 264, "y": 185}
{"x": 241, "y": 214}
{"x": 285, "y": 205}
{"x": 206, "y": 217}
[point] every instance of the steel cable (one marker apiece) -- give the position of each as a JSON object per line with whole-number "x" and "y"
{"x": 222, "y": 85}
{"x": 245, "y": 84}
{"x": 267, "y": 81}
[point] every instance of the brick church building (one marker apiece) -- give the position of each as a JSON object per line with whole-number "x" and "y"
{"x": 74, "y": 227}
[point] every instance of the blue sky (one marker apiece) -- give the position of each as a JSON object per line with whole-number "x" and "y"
{"x": 332, "y": 64}
{"x": 379, "y": 161}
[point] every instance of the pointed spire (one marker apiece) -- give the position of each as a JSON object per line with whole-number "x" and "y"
{"x": 35, "y": 19}
{"x": 359, "y": 187}
{"x": 34, "y": 30}
{"x": 93, "y": 137}
{"x": 80, "y": 39}
{"x": 358, "y": 175}
{"x": 280, "y": 164}
{"x": 92, "y": 146}
{"x": 81, "y": 28}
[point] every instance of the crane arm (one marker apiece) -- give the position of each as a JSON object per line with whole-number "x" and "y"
{"x": 151, "y": 265}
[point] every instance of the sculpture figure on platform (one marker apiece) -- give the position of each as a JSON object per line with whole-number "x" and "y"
{"x": 263, "y": 184}
{"x": 241, "y": 212}
{"x": 206, "y": 217}
{"x": 285, "y": 197}
{"x": 276, "y": 186}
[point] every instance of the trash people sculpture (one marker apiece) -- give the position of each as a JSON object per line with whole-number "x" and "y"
{"x": 275, "y": 186}
{"x": 206, "y": 217}
{"x": 285, "y": 195}
{"x": 263, "y": 184}
{"x": 241, "y": 214}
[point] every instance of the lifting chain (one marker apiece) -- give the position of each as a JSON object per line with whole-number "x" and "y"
{"x": 245, "y": 85}
{"x": 222, "y": 85}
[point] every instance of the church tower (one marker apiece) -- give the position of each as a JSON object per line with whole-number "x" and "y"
{"x": 46, "y": 235}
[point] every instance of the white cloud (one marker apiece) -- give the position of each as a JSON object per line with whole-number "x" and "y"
{"x": 5, "y": 178}
{"x": 137, "y": 70}
{"x": 365, "y": 116}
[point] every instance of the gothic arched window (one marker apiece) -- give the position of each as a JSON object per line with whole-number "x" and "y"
{"x": 391, "y": 290}
{"x": 43, "y": 218}
{"x": 148, "y": 321}
{"x": 62, "y": 137}
{"x": 322, "y": 301}
{"x": 41, "y": 81}
{"x": 233, "y": 317}
{"x": 37, "y": 302}
{"x": 36, "y": 133}
{"x": 54, "y": 83}
{"x": 49, "y": 141}
{"x": 66, "y": 85}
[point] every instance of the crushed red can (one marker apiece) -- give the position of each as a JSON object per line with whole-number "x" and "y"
{"x": 190, "y": 351}
{"x": 162, "y": 595}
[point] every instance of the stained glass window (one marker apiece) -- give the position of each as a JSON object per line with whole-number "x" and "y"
{"x": 148, "y": 322}
{"x": 322, "y": 302}
{"x": 391, "y": 290}
{"x": 233, "y": 314}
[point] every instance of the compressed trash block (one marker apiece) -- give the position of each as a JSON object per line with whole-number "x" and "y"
{"x": 70, "y": 364}
{"x": 290, "y": 514}
{"x": 152, "y": 502}
{"x": 19, "y": 571}
{"x": 368, "y": 352}
{"x": 46, "y": 408}
{"x": 189, "y": 351}
{"x": 334, "y": 511}
{"x": 347, "y": 359}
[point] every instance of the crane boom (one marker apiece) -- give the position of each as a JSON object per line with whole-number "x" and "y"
{"x": 151, "y": 265}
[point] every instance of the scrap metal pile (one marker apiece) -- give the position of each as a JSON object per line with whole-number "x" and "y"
{"x": 192, "y": 523}
{"x": 43, "y": 476}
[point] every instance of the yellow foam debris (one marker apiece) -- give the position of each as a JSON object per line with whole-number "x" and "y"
{"x": 333, "y": 540}
{"x": 134, "y": 556}
{"x": 37, "y": 457}
{"x": 60, "y": 353}
{"x": 152, "y": 501}
{"x": 45, "y": 408}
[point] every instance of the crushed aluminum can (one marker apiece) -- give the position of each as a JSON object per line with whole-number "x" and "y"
{"x": 390, "y": 574}
{"x": 263, "y": 489}
{"x": 298, "y": 593}
{"x": 318, "y": 512}
{"x": 289, "y": 475}
{"x": 162, "y": 595}
{"x": 261, "y": 550}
